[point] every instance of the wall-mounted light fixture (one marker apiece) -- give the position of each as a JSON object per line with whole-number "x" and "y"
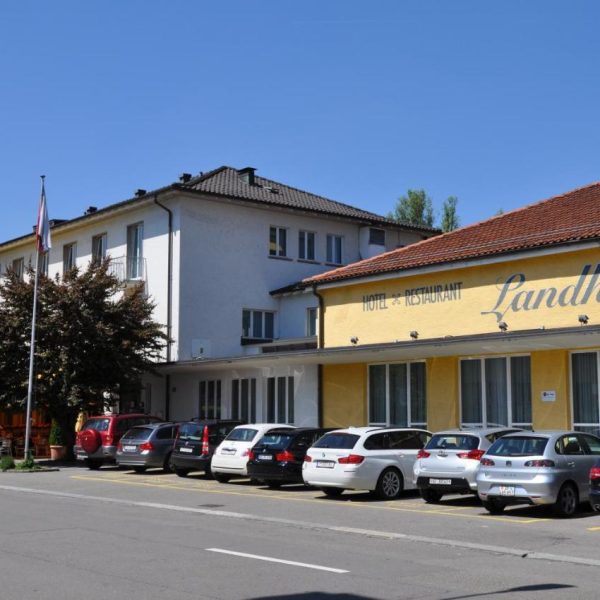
{"x": 354, "y": 340}
{"x": 414, "y": 334}
{"x": 583, "y": 319}
{"x": 502, "y": 326}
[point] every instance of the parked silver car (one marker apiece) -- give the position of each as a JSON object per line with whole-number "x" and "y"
{"x": 538, "y": 468}
{"x": 147, "y": 446}
{"x": 449, "y": 462}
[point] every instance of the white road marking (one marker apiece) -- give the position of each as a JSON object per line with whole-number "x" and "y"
{"x": 277, "y": 560}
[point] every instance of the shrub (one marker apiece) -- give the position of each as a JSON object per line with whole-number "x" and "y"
{"x": 26, "y": 465}
{"x": 56, "y": 437}
{"x": 6, "y": 463}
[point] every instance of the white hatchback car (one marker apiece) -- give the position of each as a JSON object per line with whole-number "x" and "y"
{"x": 231, "y": 455}
{"x": 364, "y": 458}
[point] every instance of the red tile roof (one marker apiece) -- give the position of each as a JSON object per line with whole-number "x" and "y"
{"x": 564, "y": 219}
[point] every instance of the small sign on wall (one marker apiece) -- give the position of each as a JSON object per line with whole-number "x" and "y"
{"x": 549, "y": 396}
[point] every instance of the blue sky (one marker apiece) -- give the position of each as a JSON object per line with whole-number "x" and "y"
{"x": 494, "y": 102}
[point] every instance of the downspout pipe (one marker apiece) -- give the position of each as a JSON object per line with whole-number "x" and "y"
{"x": 169, "y": 304}
{"x": 320, "y": 345}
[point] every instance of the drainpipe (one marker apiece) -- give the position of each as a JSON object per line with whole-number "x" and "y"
{"x": 169, "y": 306}
{"x": 321, "y": 337}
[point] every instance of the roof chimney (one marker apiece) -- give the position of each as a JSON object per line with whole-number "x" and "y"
{"x": 139, "y": 193}
{"x": 90, "y": 210}
{"x": 247, "y": 175}
{"x": 185, "y": 177}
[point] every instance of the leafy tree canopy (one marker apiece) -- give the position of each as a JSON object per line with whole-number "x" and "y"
{"x": 91, "y": 338}
{"x": 416, "y": 208}
{"x": 450, "y": 220}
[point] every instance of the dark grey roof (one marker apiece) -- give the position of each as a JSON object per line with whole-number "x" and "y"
{"x": 226, "y": 181}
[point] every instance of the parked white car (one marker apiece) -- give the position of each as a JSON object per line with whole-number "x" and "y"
{"x": 231, "y": 455}
{"x": 364, "y": 458}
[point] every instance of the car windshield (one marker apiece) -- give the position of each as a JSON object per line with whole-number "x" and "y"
{"x": 190, "y": 431}
{"x": 138, "y": 433}
{"x": 96, "y": 424}
{"x": 276, "y": 440}
{"x": 344, "y": 441}
{"x": 453, "y": 441}
{"x": 242, "y": 434}
{"x": 519, "y": 446}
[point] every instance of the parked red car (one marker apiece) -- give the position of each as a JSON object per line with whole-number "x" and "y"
{"x": 97, "y": 442}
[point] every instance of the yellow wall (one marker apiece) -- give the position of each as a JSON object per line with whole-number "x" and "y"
{"x": 344, "y": 395}
{"x": 474, "y": 300}
{"x": 550, "y": 372}
{"x": 443, "y": 411}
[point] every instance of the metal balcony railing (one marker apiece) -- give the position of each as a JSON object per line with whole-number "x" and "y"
{"x": 127, "y": 269}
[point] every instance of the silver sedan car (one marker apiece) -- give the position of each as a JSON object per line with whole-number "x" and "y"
{"x": 538, "y": 468}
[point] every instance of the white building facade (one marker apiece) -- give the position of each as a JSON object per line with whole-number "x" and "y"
{"x": 210, "y": 251}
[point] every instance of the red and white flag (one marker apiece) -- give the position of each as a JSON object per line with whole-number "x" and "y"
{"x": 42, "y": 231}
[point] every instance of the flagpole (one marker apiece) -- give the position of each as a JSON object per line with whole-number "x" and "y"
{"x": 32, "y": 345}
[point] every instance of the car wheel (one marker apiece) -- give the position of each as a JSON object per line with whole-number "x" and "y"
{"x": 272, "y": 484}
{"x": 332, "y": 492}
{"x": 221, "y": 477}
{"x": 430, "y": 496}
{"x": 93, "y": 463}
{"x": 566, "y": 501}
{"x": 140, "y": 469}
{"x": 494, "y": 506}
{"x": 181, "y": 472}
{"x": 389, "y": 485}
{"x": 167, "y": 468}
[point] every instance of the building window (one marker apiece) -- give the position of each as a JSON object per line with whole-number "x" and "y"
{"x": 278, "y": 241}
{"x": 306, "y": 245}
{"x": 258, "y": 324}
{"x": 99, "y": 247}
{"x": 377, "y": 237}
{"x": 69, "y": 256}
{"x": 43, "y": 263}
{"x": 280, "y": 399}
{"x": 586, "y": 401}
{"x": 209, "y": 403}
{"x": 334, "y": 249}
{"x": 18, "y": 266}
{"x": 311, "y": 322}
{"x": 496, "y": 392}
{"x": 397, "y": 394}
{"x": 135, "y": 236}
{"x": 243, "y": 400}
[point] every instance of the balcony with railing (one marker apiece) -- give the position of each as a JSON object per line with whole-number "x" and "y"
{"x": 128, "y": 270}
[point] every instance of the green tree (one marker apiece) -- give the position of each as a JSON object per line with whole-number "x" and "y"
{"x": 415, "y": 208}
{"x": 450, "y": 220}
{"x": 91, "y": 338}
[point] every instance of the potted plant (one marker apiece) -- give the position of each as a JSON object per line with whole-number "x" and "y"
{"x": 56, "y": 441}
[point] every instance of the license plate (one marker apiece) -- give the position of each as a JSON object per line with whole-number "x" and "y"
{"x": 186, "y": 450}
{"x": 440, "y": 481}
{"x": 129, "y": 448}
{"x": 507, "y": 490}
{"x": 264, "y": 457}
{"x": 325, "y": 464}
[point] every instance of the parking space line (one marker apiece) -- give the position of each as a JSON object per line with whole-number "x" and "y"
{"x": 435, "y": 510}
{"x": 277, "y": 560}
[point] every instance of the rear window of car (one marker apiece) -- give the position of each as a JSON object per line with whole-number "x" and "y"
{"x": 343, "y": 441}
{"x": 276, "y": 440}
{"x": 190, "y": 431}
{"x": 97, "y": 424}
{"x": 138, "y": 433}
{"x": 243, "y": 434}
{"x": 519, "y": 446}
{"x": 453, "y": 441}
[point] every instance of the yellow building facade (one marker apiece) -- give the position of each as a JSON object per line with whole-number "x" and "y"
{"x": 505, "y": 340}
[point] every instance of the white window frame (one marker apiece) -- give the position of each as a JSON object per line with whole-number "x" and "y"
{"x": 281, "y": 241}
{"x": 483, "y": 423}
{"x": 18, "y": 266}
{"x": 135, "y": 250}
{"x": 584, "y": 427}
{"x": 99, "y": 246}
{"x": 289, "y": 402}
{"x": 312, "y": 316}
{"x": 387, "y": 365}
{"x": 303, "y": 244}
{"x": 252, "y": 312}
{"x": 204, "y": 411}
{"x": 332, "y": 249}
{"x": 44, "y": 263}
{"x": 250, "y": 400}
{"x": 69, "y": 256}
